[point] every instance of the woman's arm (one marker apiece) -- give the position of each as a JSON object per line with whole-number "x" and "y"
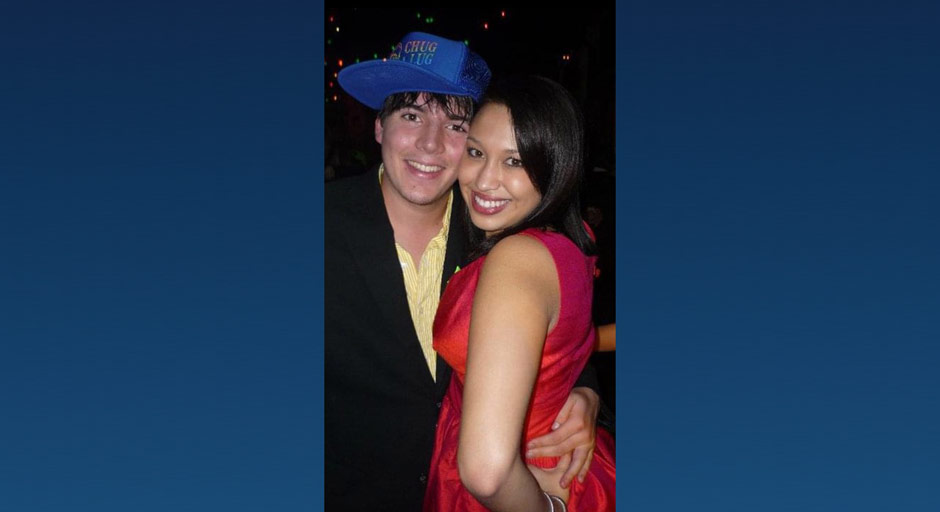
{"x": 515, "y": 306}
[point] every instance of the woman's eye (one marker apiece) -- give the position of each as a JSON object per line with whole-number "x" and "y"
{"x": 474, "y": 152}
{"x": 514, "y": 162}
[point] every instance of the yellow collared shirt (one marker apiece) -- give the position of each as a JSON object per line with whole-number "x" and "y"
{"x": 423, "y": 285}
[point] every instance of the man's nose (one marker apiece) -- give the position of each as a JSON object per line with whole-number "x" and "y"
{"x": 431, "y": 139}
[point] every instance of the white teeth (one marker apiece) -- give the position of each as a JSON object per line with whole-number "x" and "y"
{"x": 425, "y": 168}
{"x": 489, "y": 204}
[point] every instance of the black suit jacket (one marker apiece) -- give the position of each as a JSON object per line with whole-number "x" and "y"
{"x": 381, "y": 403}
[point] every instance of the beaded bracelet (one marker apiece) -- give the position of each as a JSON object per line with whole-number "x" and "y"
{"x": 551, "y": 502}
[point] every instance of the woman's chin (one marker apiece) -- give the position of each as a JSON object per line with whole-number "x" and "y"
{"x": 488, "y": 228}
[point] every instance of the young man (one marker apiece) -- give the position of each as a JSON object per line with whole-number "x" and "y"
{"x": 393, "y": 239}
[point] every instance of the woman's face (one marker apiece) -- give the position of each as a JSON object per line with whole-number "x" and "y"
{"x": 493, "y": 180}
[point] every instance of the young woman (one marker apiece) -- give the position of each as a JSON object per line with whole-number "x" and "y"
{"x": 515, "y": 324}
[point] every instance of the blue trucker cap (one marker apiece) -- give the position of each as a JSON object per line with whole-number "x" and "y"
{"x": 420, "y": 62}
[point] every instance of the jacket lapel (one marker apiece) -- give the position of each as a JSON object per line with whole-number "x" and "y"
{"x": 456, "y": 241}
{"x": 371, "y": 241}
{"x": 454, "y": 257}
{"x": 372, "y": 248}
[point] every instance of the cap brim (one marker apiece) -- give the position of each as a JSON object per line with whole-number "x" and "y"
{"x": 371, "y": 82}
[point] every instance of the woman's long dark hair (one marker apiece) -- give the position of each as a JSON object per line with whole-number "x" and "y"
{"x": 549, "y": 131}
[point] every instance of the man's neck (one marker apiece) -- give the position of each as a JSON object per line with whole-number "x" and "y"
{"x": 414, "y": 225}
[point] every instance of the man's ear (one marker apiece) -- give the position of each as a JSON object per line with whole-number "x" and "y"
{"x": 378, "y": 130}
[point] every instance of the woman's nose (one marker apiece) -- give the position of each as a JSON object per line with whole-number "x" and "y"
{"x": 488, "y": 179}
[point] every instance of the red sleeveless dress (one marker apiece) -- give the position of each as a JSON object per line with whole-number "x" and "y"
{"x": 567, "y": 349}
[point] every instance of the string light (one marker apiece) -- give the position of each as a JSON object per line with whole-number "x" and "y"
{"x": 486, "y": 26}
{"x": 501, "y": 13}
{"x": 335, "y": 97}
{"x": 331, "y": 19}
{"x": 340, "y": 62}
{"x": 337, "y": 29}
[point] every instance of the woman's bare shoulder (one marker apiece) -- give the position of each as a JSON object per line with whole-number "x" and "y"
{"x": 521, "y": 249}
{"x": 522, "y": 258}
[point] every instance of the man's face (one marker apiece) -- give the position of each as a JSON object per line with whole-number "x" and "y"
{"x": 421, "y": 147}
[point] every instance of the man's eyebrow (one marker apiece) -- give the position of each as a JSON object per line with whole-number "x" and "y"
{"x": 423, "y": 108}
